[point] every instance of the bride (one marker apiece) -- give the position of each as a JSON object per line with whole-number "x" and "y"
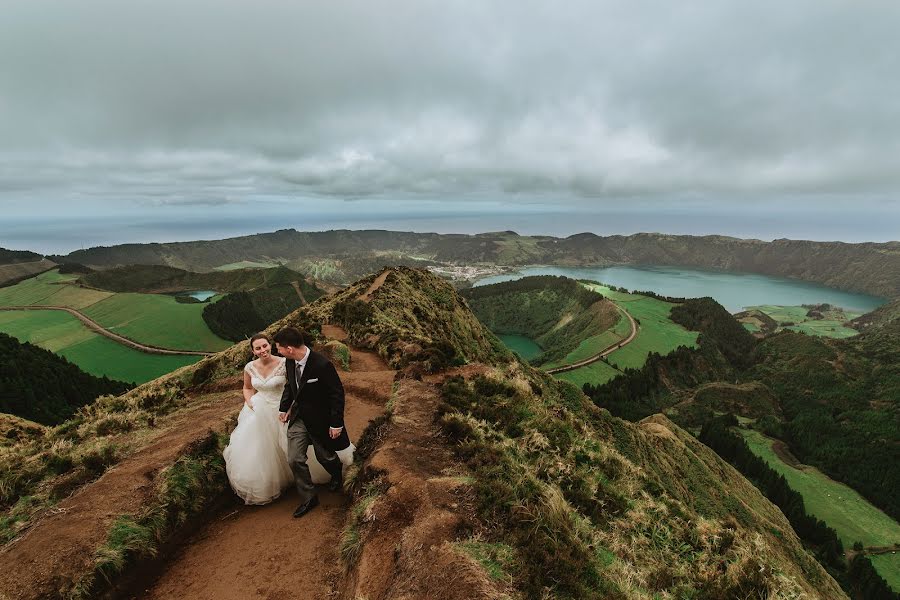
{"x": 256, "y": 456}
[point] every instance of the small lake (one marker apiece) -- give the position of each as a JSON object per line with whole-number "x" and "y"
{"x": 732, "y": 290}
{"x": 201, "y": 295}
{"x": 521, "y": 345}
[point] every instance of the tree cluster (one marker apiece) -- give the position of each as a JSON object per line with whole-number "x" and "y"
{"x": 40, "y": 386}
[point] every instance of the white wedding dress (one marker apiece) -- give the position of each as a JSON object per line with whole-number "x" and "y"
{"x": 256, "y": 455}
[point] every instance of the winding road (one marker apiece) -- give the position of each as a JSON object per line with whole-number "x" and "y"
{"x": 605, "y": 352}
{"x": 98, "y": 328}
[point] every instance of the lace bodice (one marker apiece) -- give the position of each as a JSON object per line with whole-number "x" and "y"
{"x": 275, "y": 381}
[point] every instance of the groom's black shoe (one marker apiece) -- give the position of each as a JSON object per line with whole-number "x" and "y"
{"x": 336, "y": 484}
{"x": 306, "y": 507}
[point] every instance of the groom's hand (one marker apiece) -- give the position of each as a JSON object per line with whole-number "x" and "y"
{"x": 283, "y": 417}
{"x": 334, "y": 432}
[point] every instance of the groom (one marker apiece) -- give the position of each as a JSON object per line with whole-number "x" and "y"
{"x": 313, "y": 405}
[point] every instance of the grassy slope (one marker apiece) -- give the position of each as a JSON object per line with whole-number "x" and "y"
{"x": 64, "y": 334}
{"x": 657, "y": 333}
{"x": 849, "y": 514}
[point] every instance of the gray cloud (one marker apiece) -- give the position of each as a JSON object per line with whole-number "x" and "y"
{"x": 209, "y": 101}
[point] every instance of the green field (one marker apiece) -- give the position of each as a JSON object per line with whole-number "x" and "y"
{"x": 64, "y": 334}
{"x": 831, "y": 326}
{"x": 848, "y": 513}
{"x": 594, "y": 373}
{"x": 157, "y": 320}
{"x": 521, "y": 345}
{"x": 657, "y": 333}
{"x": 154, "y": 319}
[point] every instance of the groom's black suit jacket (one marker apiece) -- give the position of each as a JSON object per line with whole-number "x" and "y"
{"x": 318, "y": 399}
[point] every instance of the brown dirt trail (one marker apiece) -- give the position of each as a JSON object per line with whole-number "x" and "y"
{"x": 60, "y": 546}
{"x": 261, "y": 551}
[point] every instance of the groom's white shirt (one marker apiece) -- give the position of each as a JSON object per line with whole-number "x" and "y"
{"x": 300, "y": 365}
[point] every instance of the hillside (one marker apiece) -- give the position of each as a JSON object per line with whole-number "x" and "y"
{"x": 486, "y": 478}
{"x": 40, "y": 386}
{"x": 867, "y": 267}
{"x": 559, "y": 314}
{"x": 163, "y": 279}
{"x": 18, "y": 265}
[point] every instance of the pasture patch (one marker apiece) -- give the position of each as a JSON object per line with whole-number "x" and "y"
{"x": 65, "y": 335}
{"x": 157, "y": 320}
{"x": 843, "y": 509}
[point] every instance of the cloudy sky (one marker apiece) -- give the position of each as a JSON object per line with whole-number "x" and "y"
{"x": 342, "y": 109}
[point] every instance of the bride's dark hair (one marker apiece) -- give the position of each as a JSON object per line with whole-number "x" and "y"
{"x": 261, "y": 336}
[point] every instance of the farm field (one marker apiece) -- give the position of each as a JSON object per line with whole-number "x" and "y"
{"x": 830, "y": 326}
{"x": 657, "y": 333}
{"x": 849, "y": 514}
{"x": 156, "y": 320}
{"x": 153, "y": 319}
{"x": 594, "y": 373}
{"x": 65, "y": 335}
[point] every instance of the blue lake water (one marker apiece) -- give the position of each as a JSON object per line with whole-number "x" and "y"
{"x": 734, "y": 291}
{"x": 201, "y": 295}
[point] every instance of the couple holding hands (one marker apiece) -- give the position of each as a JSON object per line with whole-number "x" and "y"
{"x": 291, "y": 428}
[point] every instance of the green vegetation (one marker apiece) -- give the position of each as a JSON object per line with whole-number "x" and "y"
{"x": 184, "y": 491}
{"x": 247, "y": 264}
{"x": 595, "y": 373}
{"x": 582, "y": 505}
{"x": 782, "y": 491}
{"x": 558, "y": 314}
{"x": 657, "y": 332}
{"x": 156, "y": 320}
{"x": 66, "y": 336}
{"x": 42, "y": 387}
{"x": 821, "y": 320}
{"x": 153, "y": 319}
{"x": 840, "y": 403}
{"x": 8, "y": 257}
{"x": 157, "y": 278}
{"x": 415, "y": 320}
{"x": 852, "y": 517}
{"x": 240, "y": 315}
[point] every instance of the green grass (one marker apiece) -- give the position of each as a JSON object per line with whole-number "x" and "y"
{"x": 844, "y": 510}
{"x": 831, "y": 326}
{"x": 154, "y": 319}
{"x": 63, "y": 334}
{"x": 521, "y": 345}
{"x": 157, "y": 320}
{"x": 657, "y": 333}
{"x": 595, "y": 373}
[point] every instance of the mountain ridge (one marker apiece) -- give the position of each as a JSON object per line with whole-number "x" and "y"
{"x": 870, "y": 267}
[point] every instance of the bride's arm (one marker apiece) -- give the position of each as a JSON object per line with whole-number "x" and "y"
{"x": 248, "y": 390}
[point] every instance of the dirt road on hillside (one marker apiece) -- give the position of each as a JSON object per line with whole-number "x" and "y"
{"x": 98, "y": 328}
{"x": 261, "y": 551}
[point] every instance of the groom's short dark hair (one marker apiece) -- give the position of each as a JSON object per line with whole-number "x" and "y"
{"x": 291, "y": 336}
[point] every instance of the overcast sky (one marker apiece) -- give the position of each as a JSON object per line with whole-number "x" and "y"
{"x": 154, "y": 105}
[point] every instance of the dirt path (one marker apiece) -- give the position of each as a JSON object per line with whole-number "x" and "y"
{"x": 367, "y": 297}
{"x": 98, "y": 328}
{"x": 296, "y": 286}
{"x": 605, "y": 352}
{"x": 261, "y": 551}
{"x": 784, "y": 453}
{"x": 60, "y": 545}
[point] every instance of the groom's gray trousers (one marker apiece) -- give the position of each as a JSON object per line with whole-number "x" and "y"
{"x": 299, "y": 441}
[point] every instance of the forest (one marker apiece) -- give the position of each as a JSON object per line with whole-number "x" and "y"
{"x": 40, "y": 386}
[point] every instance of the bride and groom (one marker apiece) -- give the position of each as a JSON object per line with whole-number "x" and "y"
{"x": 291, "y": 427}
